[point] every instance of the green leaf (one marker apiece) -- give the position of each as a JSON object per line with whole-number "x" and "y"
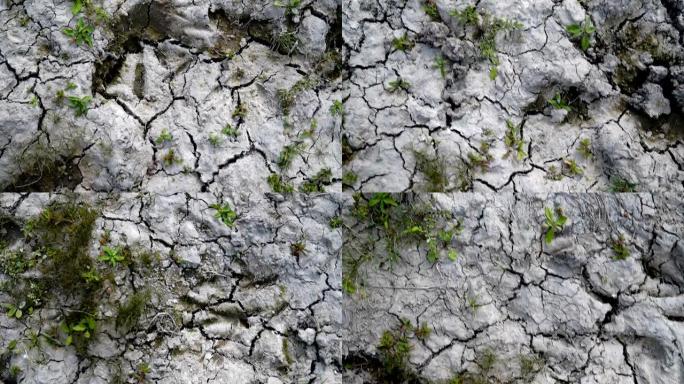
{"x": 452, "y": 255}
{"x": 575, "y": 30}
{"x": 585, "y": 43}
{"x": 19, "y": 314}
{"x": 561, "y": 221}
{"x": 549, "y": 214}
{"x": 76, "y": 8}
{"x": 91, "y": 323}
{"x": 493, "y": 72}
{"x": 80, "y": 327}
{"x": 550, "y": 234}
{"x": 69, "y": 340}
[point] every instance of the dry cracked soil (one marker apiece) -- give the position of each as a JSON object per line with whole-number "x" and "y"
{"x": 342, "y": 191}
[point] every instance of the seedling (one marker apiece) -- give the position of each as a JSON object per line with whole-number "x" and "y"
{"x": 80, "y": 104}
{"x": 582, "y": 32}
{"x": 430, "y": 9}
{"x": 394, "y": 349}
{"x": 572, "y": 167}
{"x": 620, "y": 249}
{"x": 141, "y": 373}
{"x": 620, "y": 185}
{"x": 585, "y": 148}
{"x": 558, "y": 103}
{"x": 472, "y": 303}
{"x": 493, "y": 72}
{"x": 403, "y": 43}
{"x": 34, "y": 101}
{"x": 323, "y": 177}
{"x": 225, "y": 213}
{"x": 553, "y": 173}
{"x": 91, "y": 276}
{"x": 554, "y": 223}
{"x": 81, "y": 33}
{"x": 170, "y": 158}
{"x": 164, "y": 137}
{"x": 229, "y": 131}
{"x": 441, "y": 63}
{"x": 14, "y": 311}
{"x": 112, "y": 256}
{"x": 337, "y": 108}
{"x": 514, "y": 141}
{"x": 78, "y": 6}
{"x": 278, "y": 185}
{"x": 285, "y": 42}
{"x": 85, "y": 328}
{"x": 399, "y": 84}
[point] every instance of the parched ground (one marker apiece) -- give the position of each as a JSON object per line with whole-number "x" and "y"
{"x": 433, "y": 83}
{"x": 258, "y": 300}
{"x": 603, "y": 302}
{"x": 180, "y": 96}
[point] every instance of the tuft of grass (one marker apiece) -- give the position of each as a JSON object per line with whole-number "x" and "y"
{"x": 298, "y": 249}
{"x": 403, "y": 43}
{"x": 582, "y": 32}
{"x": 335, "y": 222}
{"x": 288, "y": 154}
{"x": 558, "y": 102}
{"x": 514, "y": 141}
{"x": 399, "y": 84}
{"x": 214, "y": 139}
{"x": 164, "y": 137}
{"x": 571, "y": 166}
{"x": 170, "y": 158}
{"x": 278, "y": 185}
{"x": 433, "y": 170}
{"x": 554, "y": 223}
{"x": 430, "y": 9}
{"x": 337, "y": 108}
{"x": 229, "y": 131}
{"x": 285, "y": 42}
{"x": 467, "y": 16}
{"x": 349, "y": 178}
{"x": 289, "y": 5}
{"x": 585, "y": 148}
{"x": 441, "y": 63}
{"x": 620, "y": 185}
{"x": 240, "y": 111}
{"x": 82, "y": 33}
{"x": 225, "y": 213}
{"x": 422, "y": 332}
{"x": 130, "y": 312}
{"x": 620, "y": 248}
{"x": 317, "y": 183}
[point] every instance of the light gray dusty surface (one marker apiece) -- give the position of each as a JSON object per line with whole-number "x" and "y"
{"x": 448, "y": 89}
{"x": 165, "y": 79}
{"x": 227, "y": 304}
{"x": 564, "y": 312}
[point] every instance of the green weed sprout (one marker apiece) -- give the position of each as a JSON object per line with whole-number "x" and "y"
{"x": 582, "y": 32}
{"x": 112, "y": 256}
{"x": 554, "y": 223}
{"x": 81, "y": 33}
{"x": 225, "y": 213}
{"x": 80, "y": 104}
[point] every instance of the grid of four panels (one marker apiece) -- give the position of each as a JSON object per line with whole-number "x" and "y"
{"x": 341, "y": 191}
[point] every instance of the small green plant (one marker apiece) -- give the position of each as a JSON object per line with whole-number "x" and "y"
{"x": 141, "y": 372}
{"x": 422, "y": 332}
{"x": 349, "y": 178}
{"x": 335, "y": 222}
{"x": 82, "y": 33}
{"x": 225, "y": 213}
{"x": 554, "y": 223}
{"x": 170, "y": 158}
{"x": 288, "y": 154}
{"x": 112, "y": 256}
{"x": 380, "y": 203}
{"x": 472, "y": 303}
{"x": 620, "y": 249}
{"x": 493, "y": 72}
{"x": 164, "y": 137}
{"x": 399, "y": 84}
{"x": 80, "y": 104}
{"x": 83, "y": 329}
{"x": 337, "y": 108}
{"x": 559, "y": 103}
{"x": 240, "y": 112}
{"x": 441, "y": 63}
{"x": 553, "y": 173}
{"x": 467, "y": 16}
{"x": 403, "y": 43}
{"x": 621, "y": 185}
{"x": 278, "y": 185}
{"x": 582, "y": 32}
{"x": 585, "y": 148}
{"x": 316, "y": 184}
{"x": 394, "y": 349}
{"x": 91, "y": 276}
{"x": 229, "y": 131}
{"x": 14, "y": 311}
{"x": 289, "y": 5}
{"x": 530, "y": 365}
{"x": 572, "y": 167}
{"x": 214, "y": 139}
{"x": 430, "y": 9}
{"x": 298, "y": 248}
{"x": 14, "y": 371}
{"x": 285, "y": 42}
{"x": 514, "y": 141}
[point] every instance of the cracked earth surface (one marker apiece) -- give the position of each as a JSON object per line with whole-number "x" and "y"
{"x": 583, "y": 315}
{"x": 186, "y": 69}
{"x": 625, "y": 94}
{"x": 228, "y": 305}
{"x": 202, "y": 158}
